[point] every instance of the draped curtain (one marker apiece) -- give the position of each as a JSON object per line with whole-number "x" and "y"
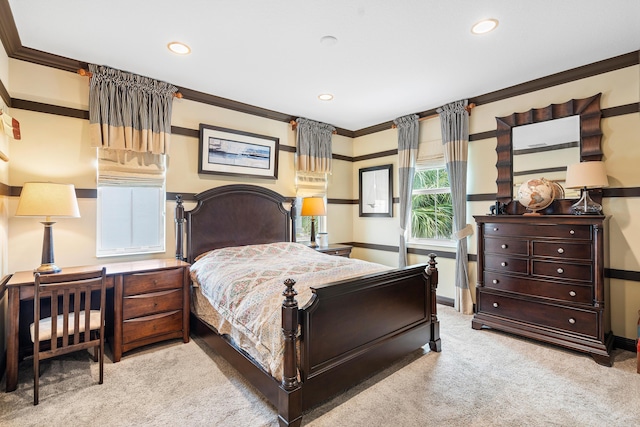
{"x": 454, "y": 122}
{"x": 313, "y": 151}
{"x": 408, "y": 128}
{"x": 129, "y": 112}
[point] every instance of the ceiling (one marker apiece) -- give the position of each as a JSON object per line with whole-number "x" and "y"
{"x": 391, "y": 58}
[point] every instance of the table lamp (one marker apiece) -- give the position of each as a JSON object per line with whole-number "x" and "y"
{"x": 49, "y": 200}
{"x": 586, "y": 175}
{"x": 313, "y": 206}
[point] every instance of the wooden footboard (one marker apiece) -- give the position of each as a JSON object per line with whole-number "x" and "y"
{"x": 353, "y": 328}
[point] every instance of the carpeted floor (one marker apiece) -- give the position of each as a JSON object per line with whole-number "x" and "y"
{"x": 481, "y": 378}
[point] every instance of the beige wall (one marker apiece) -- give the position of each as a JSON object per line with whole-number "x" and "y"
{"x": 55, "y": 147}
{"x": 58, "y": 149}
{"x": 621, "y": 156}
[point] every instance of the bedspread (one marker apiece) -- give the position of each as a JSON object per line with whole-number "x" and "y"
{"x": 244, "y": 286}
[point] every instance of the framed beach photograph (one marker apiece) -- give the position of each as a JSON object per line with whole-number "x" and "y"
{"x": 232, "y": 152}
{"x": 376, "y": 191}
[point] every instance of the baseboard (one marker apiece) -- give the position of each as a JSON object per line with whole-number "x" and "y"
{"x": 445, "y": 301}
{"x": 625, "y": 343}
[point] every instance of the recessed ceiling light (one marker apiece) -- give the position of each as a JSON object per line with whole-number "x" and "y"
{"x": 325, "y": 97}
{"x": 328, "y": 40}
{"x": 484, "y": 26}
{"x": 179, "y": 48}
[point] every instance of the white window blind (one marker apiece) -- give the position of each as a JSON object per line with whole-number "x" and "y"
{"x": 430, "y": 154}
{"x": 131, "y": 203}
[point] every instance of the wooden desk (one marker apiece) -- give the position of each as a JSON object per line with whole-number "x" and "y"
{"x": 20, "y": 288}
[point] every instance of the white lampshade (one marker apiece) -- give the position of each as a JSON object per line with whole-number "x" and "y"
{"x": 48, "y": 199}
{"x": 586, "y": 175}
{"x": 313, "y": 206}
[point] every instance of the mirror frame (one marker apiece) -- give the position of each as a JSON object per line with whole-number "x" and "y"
{"x": 590, "y": 136}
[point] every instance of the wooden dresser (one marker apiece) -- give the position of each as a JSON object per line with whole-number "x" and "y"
{"x": 542, "y": 277}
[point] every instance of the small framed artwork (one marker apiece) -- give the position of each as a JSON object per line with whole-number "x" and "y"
{"x": 376, "y": 191}
{"x": 232, "y": 152}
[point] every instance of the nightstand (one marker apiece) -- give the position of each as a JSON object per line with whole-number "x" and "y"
{"x": 337, "y": 250}
{"x": 151, "y": 304}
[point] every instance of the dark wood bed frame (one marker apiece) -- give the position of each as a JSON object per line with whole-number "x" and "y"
{"x": 348, "y": 330}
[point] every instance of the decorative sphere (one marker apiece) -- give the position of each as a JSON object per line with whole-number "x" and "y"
{"x": 536, "y": 194}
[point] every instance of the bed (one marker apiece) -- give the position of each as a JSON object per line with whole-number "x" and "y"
{"x": 341, "y": 333}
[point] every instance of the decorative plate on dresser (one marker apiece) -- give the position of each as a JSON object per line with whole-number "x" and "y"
{"x": 543, "y": 278}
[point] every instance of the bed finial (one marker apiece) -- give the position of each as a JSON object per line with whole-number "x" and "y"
{"x": 432, "y": 261}
{"x": 292, "y": 214}
{"x": 289, "y": 331}
{"x": 179, "y": 227}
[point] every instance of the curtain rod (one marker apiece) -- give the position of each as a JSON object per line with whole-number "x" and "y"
{"x": 294, "y": 125}
{"x": 87, "y": 73}
{"x": 431, "y": 116}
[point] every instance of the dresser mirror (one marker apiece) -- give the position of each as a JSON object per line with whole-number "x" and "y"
{"x": 542, "y": 142}
{"x": 544, "y": 150}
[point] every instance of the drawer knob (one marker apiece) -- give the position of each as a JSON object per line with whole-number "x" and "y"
{"x": 495, "y": 228}
{"x": 572, "y": 320}
{"x": 572, "y": 293}
{"x": 560, "y": 270}
{"x": 496, "y": 281}
{"x": 504, "y": 246}
{"x": 495, "y": 304}
{"x": 503, "y": 263}
{"x": 572, "y": 232}
{"x": 560, "y": 250}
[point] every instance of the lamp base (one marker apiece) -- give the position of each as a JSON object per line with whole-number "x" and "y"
{"x": 313, "y": 242}
{"x": 586, "y": 206}
{"x": 47, "y": 269}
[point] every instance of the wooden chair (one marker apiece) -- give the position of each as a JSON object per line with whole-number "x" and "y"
{"x": 67, "y": 332}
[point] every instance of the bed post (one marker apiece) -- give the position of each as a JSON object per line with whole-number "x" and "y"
{"x": 179, "y": 217}
{"x": 432, "y": 271}
{"x": 293, "y": 220}
{"x": 290, "y": 398}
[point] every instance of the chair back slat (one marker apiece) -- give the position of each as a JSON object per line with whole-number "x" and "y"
{"x": 87, "y": 309}
{"x": 54, "y": 319}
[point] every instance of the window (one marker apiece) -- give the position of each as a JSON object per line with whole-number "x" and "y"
{"x": 303, "y": 223}
{"x": 431, "y": 206}
{"x": 131, "y": 205}
{"x": 309, "y": 184}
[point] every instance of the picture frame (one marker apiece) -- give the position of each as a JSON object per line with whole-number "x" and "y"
{"x": 224, "y": 151}
{"x": 376, "y": 191}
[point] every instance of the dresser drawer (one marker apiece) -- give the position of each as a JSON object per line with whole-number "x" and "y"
{"x": 153, "y": 302}
{"x": 546, "y": 315}
{"x": 506, "y": 264}
{"x": 562, "y": 270}
{"x": 506, "y": 246}
{"x": 153, "y": 281}
{"x": 562, "y": 250}
{"x": 577, "y": 293}
{"x": 148, "y": 326}
{"x": 582, "y": 232}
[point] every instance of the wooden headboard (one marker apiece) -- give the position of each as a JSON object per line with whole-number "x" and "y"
{"x": 234, "y": 215}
